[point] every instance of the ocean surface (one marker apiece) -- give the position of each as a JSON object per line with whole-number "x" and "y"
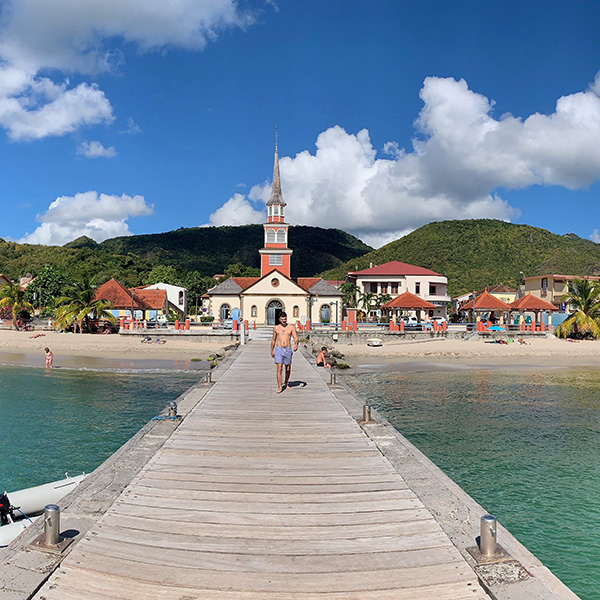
{"x": 71, "y": 420}
{"x": 524, "y": 443}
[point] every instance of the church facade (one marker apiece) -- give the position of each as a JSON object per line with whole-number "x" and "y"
{"x": 260, "y": 300}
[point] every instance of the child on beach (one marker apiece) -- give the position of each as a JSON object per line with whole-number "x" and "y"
{"x": 321, "y": 361}
{"x": 49, "y": 358}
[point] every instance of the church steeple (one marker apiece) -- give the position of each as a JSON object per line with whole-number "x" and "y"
{"x": 275, "y": 254}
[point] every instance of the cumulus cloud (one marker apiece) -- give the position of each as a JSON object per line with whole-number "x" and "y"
{"x": 236, "y": 211}
{"x": 595, "y": 237}
{"x": 462, "y": 155}
{"x": 66, "y": 36}
{"x": 95, "y": 149}
{"x": 98, "y": 216}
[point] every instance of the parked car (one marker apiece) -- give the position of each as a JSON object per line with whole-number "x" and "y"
{"x": 160, "y": 323}
{"x": 440, "y": 320}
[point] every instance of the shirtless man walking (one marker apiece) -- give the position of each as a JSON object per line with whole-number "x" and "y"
{"x": 281, "y": 349}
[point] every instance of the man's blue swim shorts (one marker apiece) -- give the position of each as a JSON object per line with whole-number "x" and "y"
{"x": 283, "y": 355}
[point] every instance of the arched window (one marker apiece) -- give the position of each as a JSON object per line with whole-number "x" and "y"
{"x": 296, "y": 312}
{"x": 253, "y": 311}
{"x": 270, "y": 210}
{"x": 180, "y": 298}
{"x": 225, "y": 312}
{"x": 325, "y": 313}
{"x": 276, "y": 210}
{"x": 271, "y": 236}
{"x": 281, "y": 236}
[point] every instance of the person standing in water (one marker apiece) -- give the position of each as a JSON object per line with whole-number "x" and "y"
{"x": 49, "y": 358}
{"x": 281, "y": 349}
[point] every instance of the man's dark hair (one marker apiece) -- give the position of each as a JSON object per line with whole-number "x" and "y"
{"x": 283, "y": 314}
{"x": 324, "y": 348}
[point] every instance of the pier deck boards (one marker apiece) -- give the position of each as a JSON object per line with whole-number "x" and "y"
{"x": 260, "y": 496}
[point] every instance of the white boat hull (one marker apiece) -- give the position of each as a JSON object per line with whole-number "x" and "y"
{"x": 31, "y": 502}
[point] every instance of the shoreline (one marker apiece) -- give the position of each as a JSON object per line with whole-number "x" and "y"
{"x": 464, "y": 354}
{"x": 107, "y": 352}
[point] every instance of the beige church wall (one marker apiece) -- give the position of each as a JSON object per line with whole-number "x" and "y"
{"x": 320, "y": 301}
{"x": 218, "y": 301}
{"x": 265, "y": 286}
{"x": 261, "y": 302}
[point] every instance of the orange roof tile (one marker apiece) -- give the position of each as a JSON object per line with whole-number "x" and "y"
{"x": 408, "y": 301}
{"x": 150, "y": 298}
{"x": 530, "y": 302}
{"x": 307, "y": 282}
{"x": 485, "y": 301}
{"x": 245, "y": 282}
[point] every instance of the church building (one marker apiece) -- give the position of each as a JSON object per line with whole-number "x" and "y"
{"x": 261, "y": 299}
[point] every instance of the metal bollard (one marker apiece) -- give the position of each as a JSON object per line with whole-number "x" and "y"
{"x": 208, "y": 377}
{"x": 333, "y": 380}
{"x": 51, "y": 525}
{"x": 173, "y": 409}
{"x": 367, "y": 414}
{"x": 487, "y": 541}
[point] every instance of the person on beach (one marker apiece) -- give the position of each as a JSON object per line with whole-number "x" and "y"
{"x": 321, "y": 360}
{"x": 281, "y": 349}
{"x": 49, "y": 358}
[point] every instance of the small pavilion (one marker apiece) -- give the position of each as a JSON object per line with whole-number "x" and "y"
{"x": 486, "y": 303}
{"x": 406, "y": 302}
{"x": 533, "y": 304}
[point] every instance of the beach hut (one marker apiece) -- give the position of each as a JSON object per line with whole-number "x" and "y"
{"x": 535, "y": 305}
{"x": 486, "y": 303}
{"x": 405, "y": 302}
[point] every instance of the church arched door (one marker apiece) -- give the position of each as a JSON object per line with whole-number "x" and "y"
{"x": 274, "y": 309}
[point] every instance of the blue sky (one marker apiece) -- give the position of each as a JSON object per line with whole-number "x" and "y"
{"x": 146, "y": 116}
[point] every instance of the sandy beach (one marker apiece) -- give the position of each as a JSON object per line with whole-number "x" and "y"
{"x": 543, "y": 352}
{"x": 115, "y": 347}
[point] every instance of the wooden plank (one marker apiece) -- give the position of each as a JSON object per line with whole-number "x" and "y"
{"x": 263, "y": 497}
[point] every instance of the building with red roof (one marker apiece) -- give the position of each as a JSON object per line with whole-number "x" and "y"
{"x": 144, "y": 303}
{"x": 395, "y": 278}
{"x": 261, "y": 299}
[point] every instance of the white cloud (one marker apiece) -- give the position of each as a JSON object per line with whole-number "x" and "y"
{"x": 69, "y": 36}
{"x": 132, "y": 127}
{"x": 95, "y": 149}
{"x": 82, "y": 37}
{"x": 595, "y": 237}
{"x": 461, "y": 155}
{"x": 236, "y": 211}
{"x": 98, "y": 216}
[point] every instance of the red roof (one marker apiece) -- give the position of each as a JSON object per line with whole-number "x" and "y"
{"x": 120, "y": 296}
{"x": 531, "y": 302}
{"x": 486, "y": 301}
{"x": 408, "y": 301}
{"x": 396, "y": 267}
{"x": 245, "y": 282}
{"x": 307, "y": 282}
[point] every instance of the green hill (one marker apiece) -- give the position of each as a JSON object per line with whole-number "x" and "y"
{"x": 208, "y": 250}
{"x": 477, "y": 253}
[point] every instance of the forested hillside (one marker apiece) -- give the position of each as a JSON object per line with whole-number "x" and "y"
{"x": 479, "y": 252}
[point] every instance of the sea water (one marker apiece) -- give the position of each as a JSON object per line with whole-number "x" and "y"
{"x": 523, "y": 443}
{"x": 66, "y": 420}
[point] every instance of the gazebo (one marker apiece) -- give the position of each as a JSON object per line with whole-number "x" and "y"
{"x": 485, "y": 302}
{"x": 407, "y": 301}
{"x": 530, "y": 303}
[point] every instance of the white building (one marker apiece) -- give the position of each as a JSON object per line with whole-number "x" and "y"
{"x": 176, "y": 295}
{"x": 395, "y": 278}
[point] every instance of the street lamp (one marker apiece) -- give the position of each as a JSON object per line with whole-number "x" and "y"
{"x": 336, "y": 313}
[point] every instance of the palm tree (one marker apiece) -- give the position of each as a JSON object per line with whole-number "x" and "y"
{"x": 351, "y": 292}
{"x": 366, "y": 300}
{"x": 12, "y": 295}
{"x": 79, "y": 305}
{"x": 584, "y": 297}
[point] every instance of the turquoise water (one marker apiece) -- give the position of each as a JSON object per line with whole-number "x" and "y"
{"x": 523, "y": 443}
{"x": 69, "y": 420}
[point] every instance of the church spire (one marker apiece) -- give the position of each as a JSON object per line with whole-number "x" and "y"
{"x": 276, "y": 194}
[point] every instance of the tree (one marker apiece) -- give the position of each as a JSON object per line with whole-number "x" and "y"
{"x": 584, "y": 297}
{"x": 197, "y": 285}
{"x": 11, "y": 295}
{"x": 238, "y": 269}
{"x": 366, "y": 301}
{"x": 46, "y": 287}
{"x": 351, "y": 293}
{"x": 80, "y": 305}
{"x": 163, "y": 274}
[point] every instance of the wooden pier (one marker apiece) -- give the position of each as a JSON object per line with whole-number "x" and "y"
{"x": 265, "y": 496}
